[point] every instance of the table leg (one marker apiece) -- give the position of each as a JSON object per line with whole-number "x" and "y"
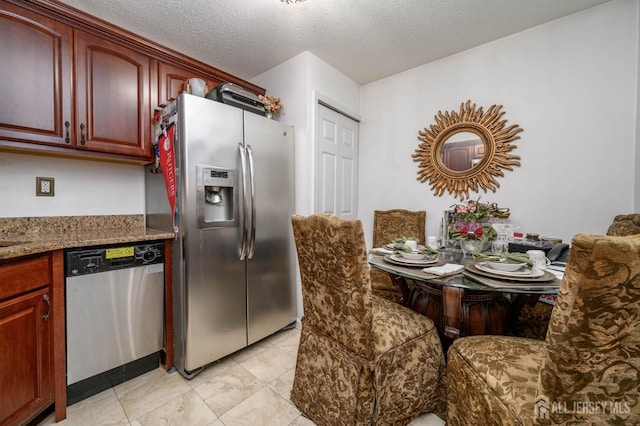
{"x": 401, "y": 282}
{"x": 452, "y": 303}
{"x": 518, "y": 326}
{"x": 462, "y": 313}
{"x": 518, "y": 303}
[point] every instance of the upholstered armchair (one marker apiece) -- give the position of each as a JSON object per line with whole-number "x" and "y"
{"x": 362, "y": 359}
{"x": 534, "y": 318}
{"x": 586, "y": 371}
{"x": 387, "y": 226}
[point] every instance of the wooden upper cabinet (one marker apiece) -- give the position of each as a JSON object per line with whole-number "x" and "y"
{"x": 112, "y": 97}
{"x": 172, "y": 78}
{"x": 35, "y": 78}
{"x": 462, "y": 155}
{"x": 457, "y": 157}
{"x": 75, "y": 86}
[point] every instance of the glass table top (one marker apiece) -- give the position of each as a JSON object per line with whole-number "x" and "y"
{"x": 469, "y": 278}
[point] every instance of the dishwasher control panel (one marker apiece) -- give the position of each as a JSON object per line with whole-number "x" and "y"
{"x": 92, "y": 260}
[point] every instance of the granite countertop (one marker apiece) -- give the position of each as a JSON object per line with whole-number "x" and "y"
{"x": 32, "y": 235}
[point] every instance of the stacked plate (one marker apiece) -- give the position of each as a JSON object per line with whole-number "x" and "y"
{"x": 521, "y": 274}
{"x": 399, "y": 260}
{"x": 522, "y": 271}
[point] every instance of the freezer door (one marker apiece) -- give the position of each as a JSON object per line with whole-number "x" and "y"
{"x": 212, "y": 276}
{"x": 271, "y": 292}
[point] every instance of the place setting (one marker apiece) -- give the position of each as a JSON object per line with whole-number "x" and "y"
{"x": 407, "y": 252}
{"x": 510, "y": 269}
{"x": 521, "y": 274}
{"x": 399, "y": 243}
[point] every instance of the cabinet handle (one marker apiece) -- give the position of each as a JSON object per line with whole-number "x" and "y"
{"x": 66, "y": 138}
{"x": 81, "y": 133}
{"x": 45, "y": 298}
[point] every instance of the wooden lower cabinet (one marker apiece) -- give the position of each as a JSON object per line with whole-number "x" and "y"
{"x": 26, "y": 368}
{"x": 30, "y": 324}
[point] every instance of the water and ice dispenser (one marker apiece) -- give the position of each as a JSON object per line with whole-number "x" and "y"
{"x": 217, "y": 197}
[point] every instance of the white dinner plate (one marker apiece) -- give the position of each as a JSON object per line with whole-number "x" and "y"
{"x": 398, "y": 260}
{"x": 522, "y": 272}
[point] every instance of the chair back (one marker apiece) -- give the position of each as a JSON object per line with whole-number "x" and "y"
{"x": 593, "y": 341}
{"x": 625, "y": 224}
{"x": 336, "y": 291}
{"x": 391, "y": 224}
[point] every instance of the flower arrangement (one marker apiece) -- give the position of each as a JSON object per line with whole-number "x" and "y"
{"x": 471, "y": 221}
{"x": 272, "y": 104}
{"x": 475, "y": 211}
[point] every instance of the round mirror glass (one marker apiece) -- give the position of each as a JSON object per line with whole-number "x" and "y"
{"x": 462, "y": 151}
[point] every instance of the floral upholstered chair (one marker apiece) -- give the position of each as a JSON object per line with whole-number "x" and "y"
{"x": 534, "y": 319}
{"x": 362, "y": 359}
{"x": 625, "y": 224}
{"x": 387, "y": 226}
{"x": 586, "y": 371}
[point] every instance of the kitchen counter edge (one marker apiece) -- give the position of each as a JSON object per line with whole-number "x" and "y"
{"x": 26, "y": 244}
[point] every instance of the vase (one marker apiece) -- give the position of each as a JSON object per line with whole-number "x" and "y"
{"x": 268, "y": 114}
{"x": 472, "y": 246}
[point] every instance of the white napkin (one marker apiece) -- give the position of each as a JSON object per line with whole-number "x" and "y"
{"x": 446, "y": 269}
{"x": 558, "y": 274}
{"x": 381, "y": 250}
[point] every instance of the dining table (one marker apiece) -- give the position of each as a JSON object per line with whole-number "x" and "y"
{"x": 468, "y": 299}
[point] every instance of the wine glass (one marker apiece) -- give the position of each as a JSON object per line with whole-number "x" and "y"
{"x": 499, "y": 248}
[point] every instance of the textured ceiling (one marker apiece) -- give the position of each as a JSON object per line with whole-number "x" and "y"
{"x": 365, "y": 39}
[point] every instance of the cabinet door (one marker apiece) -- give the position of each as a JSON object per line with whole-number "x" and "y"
{"x": 171, "y": 80}
{"x": 457, "y": 157}
{"x": 112, "y": 97}
{"x": 26, "y": 368}
{"x": 35, "y": 78}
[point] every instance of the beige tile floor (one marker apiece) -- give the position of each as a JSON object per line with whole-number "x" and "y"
{"x": 250, "y": 387}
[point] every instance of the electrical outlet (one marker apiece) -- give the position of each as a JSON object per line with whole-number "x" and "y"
{"x": 45, "y": 186}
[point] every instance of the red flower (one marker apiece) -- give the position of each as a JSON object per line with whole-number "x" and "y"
{"x": 464, "y": 231}
{"x": 478, "y": 232}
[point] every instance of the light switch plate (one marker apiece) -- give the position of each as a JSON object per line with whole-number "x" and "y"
{"x": 45, "y": 186}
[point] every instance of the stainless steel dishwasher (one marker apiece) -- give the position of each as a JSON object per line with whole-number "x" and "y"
{"x": 115, "y": 311}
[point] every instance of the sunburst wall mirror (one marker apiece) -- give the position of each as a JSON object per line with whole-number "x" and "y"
{"x": 466, "y": 150}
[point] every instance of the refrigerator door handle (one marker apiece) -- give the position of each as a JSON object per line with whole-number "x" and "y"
{"x": 252, "y": 238}
{"x": 245, "y": 195}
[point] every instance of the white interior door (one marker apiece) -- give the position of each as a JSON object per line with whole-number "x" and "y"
{"x": 337, "y": 168}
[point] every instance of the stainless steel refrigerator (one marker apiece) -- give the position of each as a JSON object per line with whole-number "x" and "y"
{"x": 233, "y": 264}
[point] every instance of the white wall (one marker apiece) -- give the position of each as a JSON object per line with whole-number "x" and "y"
{"x": 299, "y": 82}
{"x": 637, "y": 174}
{"x": 570, "y": 84}
{"x": 81, "y": 187}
